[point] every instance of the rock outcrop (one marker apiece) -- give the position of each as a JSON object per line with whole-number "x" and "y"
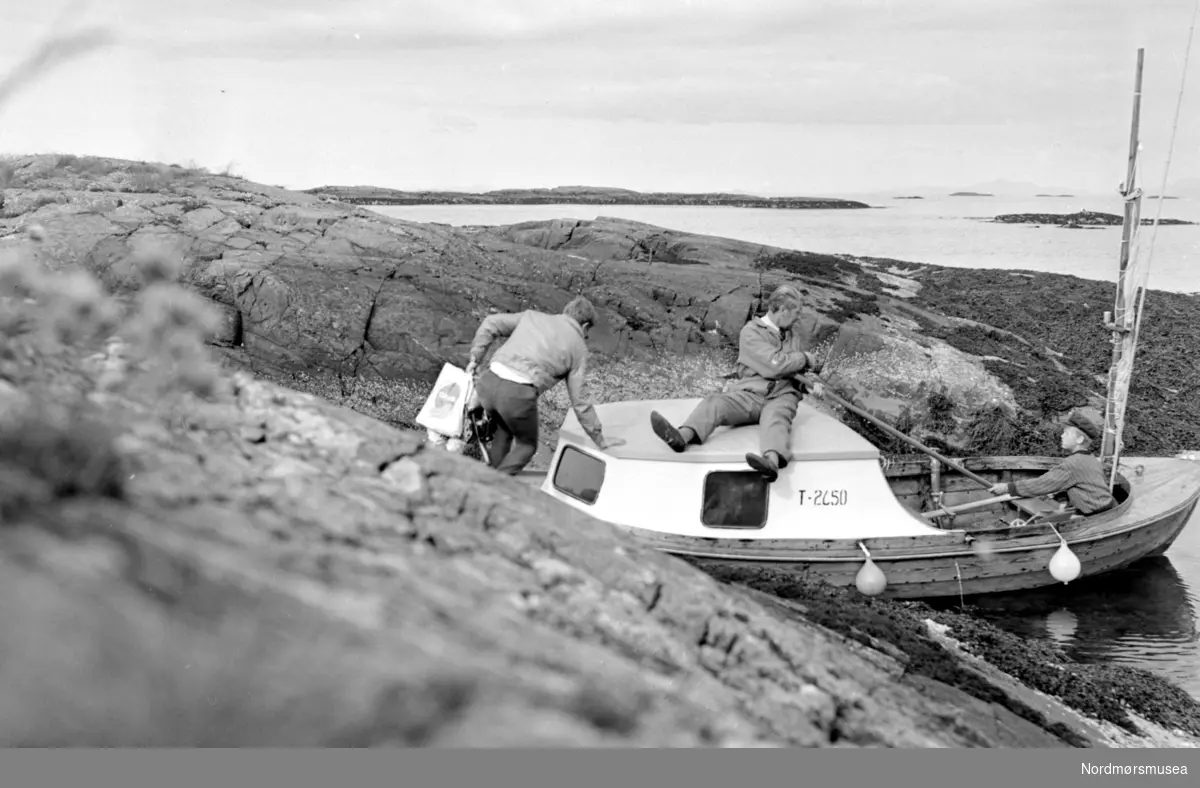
{"x": 308, "y": 286}
{"x": 261, "y": 567}
{"x": 313, "y": 287}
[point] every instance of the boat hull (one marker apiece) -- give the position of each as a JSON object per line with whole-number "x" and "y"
{"x": 1162, "y": 497}
{"x": 965, "y": 572}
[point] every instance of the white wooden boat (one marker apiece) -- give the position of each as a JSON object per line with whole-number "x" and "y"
{"x": 836, "y": 505}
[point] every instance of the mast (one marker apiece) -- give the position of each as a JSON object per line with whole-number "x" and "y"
{"x": 1123, "y": 318}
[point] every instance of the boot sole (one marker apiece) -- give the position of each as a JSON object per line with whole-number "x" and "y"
{"x": 666, "y": 433}
{"x": 763, "y": 466}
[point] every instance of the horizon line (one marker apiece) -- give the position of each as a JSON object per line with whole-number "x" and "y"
{"x": 998, "y": 186}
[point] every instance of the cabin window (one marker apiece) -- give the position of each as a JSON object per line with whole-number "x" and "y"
{"x": 579, "y": 475}
{"x": 734, "y": 499}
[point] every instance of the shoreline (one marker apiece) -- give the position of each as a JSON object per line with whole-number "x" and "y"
{"x": 365, "y": 195}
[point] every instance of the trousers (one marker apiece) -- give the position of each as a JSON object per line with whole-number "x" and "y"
{"x": 513, "y": 407}
{"x": 773, "y": 412}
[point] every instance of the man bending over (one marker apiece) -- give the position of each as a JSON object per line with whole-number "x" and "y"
{"x": 540, "y": 351}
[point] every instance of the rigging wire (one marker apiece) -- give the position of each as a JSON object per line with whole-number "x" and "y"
{"x": 1144, "y": 269}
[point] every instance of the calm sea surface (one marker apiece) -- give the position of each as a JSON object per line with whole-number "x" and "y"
{"x": 1145, "y": 615}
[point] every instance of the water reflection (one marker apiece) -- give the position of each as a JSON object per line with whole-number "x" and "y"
{"x": 1143, "y": 615}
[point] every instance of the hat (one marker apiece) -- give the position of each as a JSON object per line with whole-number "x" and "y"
{"x": 1084, "y": 424}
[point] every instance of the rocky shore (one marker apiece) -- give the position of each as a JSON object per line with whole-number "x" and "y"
{"x": 204, "y": 554}
{"x": 572, "y": 195}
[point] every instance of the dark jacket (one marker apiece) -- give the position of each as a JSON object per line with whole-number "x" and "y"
{"x": 1080, "y": 476}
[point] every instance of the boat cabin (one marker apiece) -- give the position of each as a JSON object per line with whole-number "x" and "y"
{"x": 833, "y": 487}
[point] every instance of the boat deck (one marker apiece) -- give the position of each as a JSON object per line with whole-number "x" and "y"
{"x": 1160, "y": 486}
{"x": 815, "y": 435}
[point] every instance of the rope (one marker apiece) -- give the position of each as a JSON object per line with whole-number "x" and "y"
{"x": 1144, "y": 270}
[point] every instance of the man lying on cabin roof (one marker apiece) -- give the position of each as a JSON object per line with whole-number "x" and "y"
{"x": 1080, "y": 475}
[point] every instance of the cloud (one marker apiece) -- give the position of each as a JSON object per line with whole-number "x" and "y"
{"x": 299, "y": 28}
{"x": 938, "y": 102}
{"x": 279, "y": 29}
{"x": 451, "y": 122}
{"x": 783, "y": 82}
{"x": 447, "y": 77}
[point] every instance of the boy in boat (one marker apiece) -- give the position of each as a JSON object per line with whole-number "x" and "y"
{"x": 1080, "y": 475}
{"x": 764, "y": 390}
{"x": 540, "y": 351}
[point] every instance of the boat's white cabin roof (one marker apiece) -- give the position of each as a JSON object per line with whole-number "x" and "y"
{"x": 815, "y": 435}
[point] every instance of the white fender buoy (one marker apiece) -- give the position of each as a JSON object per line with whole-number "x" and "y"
{"x": 984, "y": 549}
{"x": 870, "y": 580}
{"x": 1064, "y": 566}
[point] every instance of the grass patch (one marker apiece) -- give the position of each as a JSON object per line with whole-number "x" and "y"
{"x": 59, "y": 172}
{"x": 48, "y": 452}
{"x": 820, "y": 266}
{"x": 67, "y": 343}
{"x": 852, "y": 305}
{"x": 940, "y": 409}
{"x": 143, "y": 177}
{"x": 994, "y": 430}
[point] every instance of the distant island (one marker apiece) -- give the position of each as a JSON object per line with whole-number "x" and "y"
{"x": 581, "y": 195}
{"x": 971, "y": 194}
{"x": 1055, "y": 195}
{"x": 1075, "y": 220}
{"x": 914, "y": 197}
{"x": 1164, "y": 197}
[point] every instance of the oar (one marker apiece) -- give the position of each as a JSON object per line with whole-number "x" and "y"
{"x": 895, "y": 432}
{"x": 962, "y": 507}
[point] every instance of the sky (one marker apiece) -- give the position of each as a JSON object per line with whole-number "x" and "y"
{"x": 796, "y": 97}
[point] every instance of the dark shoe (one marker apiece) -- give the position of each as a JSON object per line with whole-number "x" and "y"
{"x": 669, "y": 435}
{"x": 763, "y": 465}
